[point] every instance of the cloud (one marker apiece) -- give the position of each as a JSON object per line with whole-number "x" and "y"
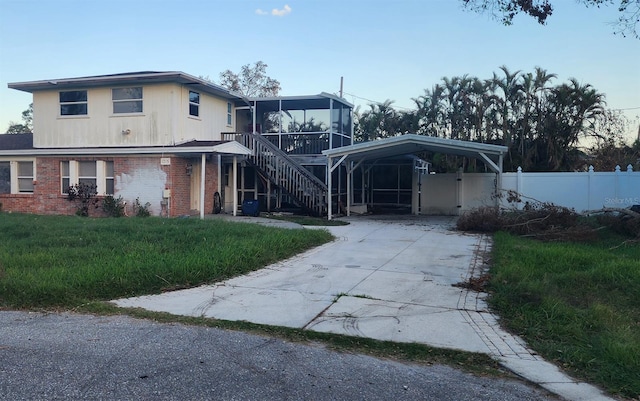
{"x": 281, "y": 13}
{"x": 275, "y": 12}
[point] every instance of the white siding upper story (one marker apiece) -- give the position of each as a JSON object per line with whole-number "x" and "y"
{"x": 165, "y": 119}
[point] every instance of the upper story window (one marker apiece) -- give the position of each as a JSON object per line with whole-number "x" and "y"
{"x": 73, "y": 103}
{"x": 194, "y": 104}
{"x": 229, "y": 109}
{"x": 127, "y": 100}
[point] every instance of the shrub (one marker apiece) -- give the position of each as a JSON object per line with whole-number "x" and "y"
{"x": 140, "y": 209}
{"x": 113, "y": 207}
{"x": 84, "y": 196}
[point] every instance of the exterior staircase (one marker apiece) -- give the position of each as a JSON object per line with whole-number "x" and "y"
{"x": 285, "y": 172}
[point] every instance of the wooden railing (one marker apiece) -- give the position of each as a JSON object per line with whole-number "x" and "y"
{"x": 285, "y": 172}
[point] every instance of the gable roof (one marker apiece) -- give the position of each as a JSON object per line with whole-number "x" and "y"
{"x": 16, "y": 141}
{"x": 127, "y": 78}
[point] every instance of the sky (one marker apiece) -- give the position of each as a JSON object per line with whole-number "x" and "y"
{"x": 383, "y": 49}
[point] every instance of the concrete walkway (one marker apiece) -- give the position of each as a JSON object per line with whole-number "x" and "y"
{"x": 386, "y": 277}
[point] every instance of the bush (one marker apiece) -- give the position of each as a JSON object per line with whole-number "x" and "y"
{"x": 113, "y": 207}
{"x": 84, "y": 196}
{"x": 140, "y": 209}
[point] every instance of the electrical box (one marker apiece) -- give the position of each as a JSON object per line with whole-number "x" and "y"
{"x": 166, "y": 193}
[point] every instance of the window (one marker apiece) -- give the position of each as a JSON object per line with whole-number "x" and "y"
{"x": 73, "y": 103}
{"x": 194, "y": 104}
{"x": 98, "y": 173}
{"x": 17, "y": 177}
{"x": 5, "y": 177}
{"x": 229, "y": 114}
{"x": 127, "y": 100}
{"x": 65, "y": 179}
{"x": 87, "y": 173}
{"x": 25, "y": 177}
{"x": 109, "y": 181}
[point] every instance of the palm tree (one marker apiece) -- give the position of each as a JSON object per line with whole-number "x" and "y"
{"x": 510, "y": 87}
{"x": 571, "y": 108}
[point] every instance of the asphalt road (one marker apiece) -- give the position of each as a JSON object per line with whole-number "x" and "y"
{"x": 83, "y": 357}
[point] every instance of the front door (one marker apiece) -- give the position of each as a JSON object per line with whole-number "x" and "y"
{"x": 195, "y": 187}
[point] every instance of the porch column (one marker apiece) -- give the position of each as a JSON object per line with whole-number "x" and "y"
{"x": 202, "y": 178}
{"x": 219, "y": 173}
{"x": 235, "y": 185}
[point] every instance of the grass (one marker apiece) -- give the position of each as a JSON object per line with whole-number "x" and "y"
{"x": 576, "y": 304}
{"x": 75, "y": 263}
{"x": 65, "y": 261}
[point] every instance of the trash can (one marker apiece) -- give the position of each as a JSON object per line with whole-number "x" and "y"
{"x": 251, "y": 207}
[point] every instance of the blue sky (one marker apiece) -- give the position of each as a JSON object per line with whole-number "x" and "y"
{"x": 383, "y": 49}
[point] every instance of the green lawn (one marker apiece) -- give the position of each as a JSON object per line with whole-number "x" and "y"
{"x": 70, "y": 262}
{"x": 576, "y": 304}
{"x": 65, "y": 261}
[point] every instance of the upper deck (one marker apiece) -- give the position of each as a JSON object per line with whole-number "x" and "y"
{"x": 299, "y": 125}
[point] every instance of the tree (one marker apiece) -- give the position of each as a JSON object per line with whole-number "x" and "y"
{"x": 506, "y": 10}
{"x": 252, "y": 81}
{"x": 27, "y": 123}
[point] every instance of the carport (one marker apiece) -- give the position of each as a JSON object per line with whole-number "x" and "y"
{"x": 353, "y": 156}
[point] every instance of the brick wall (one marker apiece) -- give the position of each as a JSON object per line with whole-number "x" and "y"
{"x": 142, "y": 177}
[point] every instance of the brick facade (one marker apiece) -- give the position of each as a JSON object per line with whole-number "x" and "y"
{"x": 142, "y": 177}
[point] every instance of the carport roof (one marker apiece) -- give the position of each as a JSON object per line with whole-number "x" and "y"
{"x": 412, "y": 143}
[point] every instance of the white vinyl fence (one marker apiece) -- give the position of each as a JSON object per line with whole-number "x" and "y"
{"x": 452, "y": 194}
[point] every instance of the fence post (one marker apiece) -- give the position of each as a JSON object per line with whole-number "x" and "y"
{"x": 519, "y": 184}
{"x": 617, "y": 183}
{"x": 589, "y": 178}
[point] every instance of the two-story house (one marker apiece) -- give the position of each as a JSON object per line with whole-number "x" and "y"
{"x": 174, "y": 141}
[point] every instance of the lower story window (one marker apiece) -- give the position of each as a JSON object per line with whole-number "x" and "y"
{"x": 17, "y": 177}
{"x": 25, "y": 177}
{"x": 5, "y": 177}
{"x": 97, "y": 173}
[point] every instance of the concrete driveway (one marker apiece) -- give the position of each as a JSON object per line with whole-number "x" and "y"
{"x": 388, "y": 278}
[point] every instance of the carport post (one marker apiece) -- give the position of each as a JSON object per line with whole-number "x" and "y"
{"x": 329, "y": 171}
{"x": 330, "y": 168}
{"x": 349, "y": 172}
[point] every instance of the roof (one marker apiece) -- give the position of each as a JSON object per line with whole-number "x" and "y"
{"x": 128, "y": 78}
{"x": 16, "y": 141}
{"x": 309, "y": 102}
{"x": 412, "y": 143}
{"x": 23, "y": 146}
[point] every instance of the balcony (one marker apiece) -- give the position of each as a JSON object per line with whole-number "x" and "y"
{"x": 300, "y": 125}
